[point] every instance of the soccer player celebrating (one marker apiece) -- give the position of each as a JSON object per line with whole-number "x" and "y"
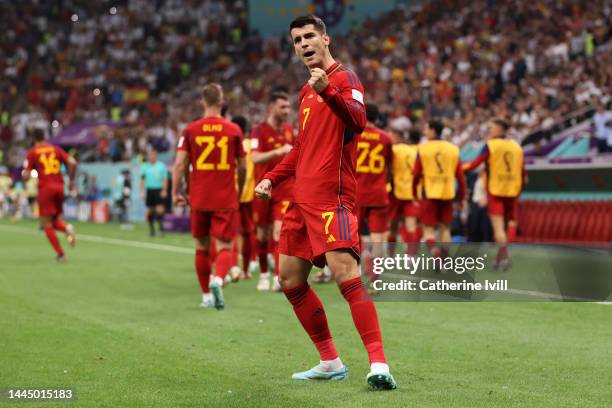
{"x": 270, "y": 142}
{"x": 403, "y": 202}
{"x": 505, "y": 176}
{"x": 212, "y": 147}
{"x": 319, "y": 226}
{"x": 438, "y": 164}
{"x": 372, "y": 173}
{"x": 47, "y": 161}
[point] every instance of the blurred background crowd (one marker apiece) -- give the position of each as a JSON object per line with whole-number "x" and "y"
{"x": 534, "y": 62}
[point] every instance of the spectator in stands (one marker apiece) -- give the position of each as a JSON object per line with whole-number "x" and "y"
{"x": 602, "y": 122}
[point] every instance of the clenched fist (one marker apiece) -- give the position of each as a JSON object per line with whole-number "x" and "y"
{"x": 318, "y": 80}
{"x": 264, "y": 189}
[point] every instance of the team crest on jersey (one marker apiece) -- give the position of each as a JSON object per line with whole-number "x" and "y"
{"x": 310, "y": 96}
{"x": 319, "y": 99}
{"x": 270, "y": 139}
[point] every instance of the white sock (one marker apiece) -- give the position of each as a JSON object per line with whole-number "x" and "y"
{"x": 207, "y": 296}
{"x": 379, "y": 368}
{"x": 218, "y": 280}
{"x": 265, "y": 275}
{"x": 330, "y": 365}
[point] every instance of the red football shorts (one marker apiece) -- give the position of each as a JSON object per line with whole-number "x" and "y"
{"x": 311, "y": 230}
{"x": 400, "y": 209}
{"x": 434, "y": 212}
{"x": 50, "y": 200}
{"x": 265, "y": 212}
{"x": 245, "y": 216}
{"x": 221, "y": 224}
{"x": 377, "y": 218}
{"x": 506, "y": 206}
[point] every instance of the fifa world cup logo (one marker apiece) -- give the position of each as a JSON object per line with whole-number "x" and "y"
{"x": 507, "y": 161}
{"x": 438, "y": 160}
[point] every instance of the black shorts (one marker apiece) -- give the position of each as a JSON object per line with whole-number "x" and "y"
{"x": 154, "y": 197}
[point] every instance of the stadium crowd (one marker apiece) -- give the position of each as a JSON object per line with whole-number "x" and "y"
{"x": 464, "y": 61}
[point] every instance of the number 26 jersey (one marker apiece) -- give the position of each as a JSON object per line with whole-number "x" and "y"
{"x": 212, "y": 144}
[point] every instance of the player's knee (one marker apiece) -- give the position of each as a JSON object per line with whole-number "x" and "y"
{"x": 343, "y": 266}
{"x": 201, "y": 242}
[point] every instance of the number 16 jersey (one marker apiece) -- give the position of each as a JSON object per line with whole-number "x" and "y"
{"x": 212, "y": 144}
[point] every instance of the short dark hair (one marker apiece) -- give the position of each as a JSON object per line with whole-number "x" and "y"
{"x": 372, "y": 112}
{"x": 274, "y": 96}
{"x": 242, "y": 123}
{"x": 414, "y": 136}
{"x": 302, "y": 21}
{"x": 437, "y": 126}
{"x": 38, "y": 134}
{"x": 502, "y": 123}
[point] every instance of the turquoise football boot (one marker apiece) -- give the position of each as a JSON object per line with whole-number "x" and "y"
{"x": 314, "y": 374}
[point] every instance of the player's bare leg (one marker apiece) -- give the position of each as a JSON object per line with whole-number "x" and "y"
{"x": 309, "y": 310}
{"x": 68, "y": 229}
{"x": 262, "y": 233}
{"x": 47, "y": 225}
{"x": 203, "y": 270}
{"x": 345, "y": 271}
{"x": 276, "y": 229}
{"x": 502, "y": 260}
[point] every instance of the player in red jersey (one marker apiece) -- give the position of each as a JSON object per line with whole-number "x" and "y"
{"x": 373, "y": 172}
{"x": 438, "y": 164}
{"x": 270, "y": 142}
{"x": 505, "y": 178}
{"x": 47, "y": 160}
{"x": 212, "y": 147}
{"x": 320, "y": 226}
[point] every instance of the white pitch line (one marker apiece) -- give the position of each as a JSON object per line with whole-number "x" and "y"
{"x": 111, "y": 241}
{"x": 532, "y": 293}
{"x": 176, "y": 249}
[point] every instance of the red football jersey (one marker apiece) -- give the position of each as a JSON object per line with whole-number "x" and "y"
{"x": 265, "y": 138}
{"x": 47, "y": 160}
{"x": 324, "y": 156}
{"x": 212, "y": 145}
{"x": 373, "y": 160}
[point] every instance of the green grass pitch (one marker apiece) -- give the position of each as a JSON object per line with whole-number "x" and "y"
{"x": 119, "y": 322}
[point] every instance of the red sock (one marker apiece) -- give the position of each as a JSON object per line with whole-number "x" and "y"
{"x": 502, "y": 253}
{"x": 419, "y": 234}
{"x": 309, "y": 311}
{"x": 276, "y": 257}
{"x": 433, "y": 248}
{"x": 262, "y": 249}
{"x": 511, "y": 232}
{"x": 392, "y": 240}
{"x": 52, "y": 237}
{"x": 246, "y": 251}
{"x": 365, "y": 318}
{"x": 253, "y": 248}
{"x": 59, "y": 225}
{"x": 413, "y": 244}
{"x": 223, "y": 262}
{"x": 404, "y": 234}
{"x": 202, "y": 266}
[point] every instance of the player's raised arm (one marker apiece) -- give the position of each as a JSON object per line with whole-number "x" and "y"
{"x": 482, "y": 157}
{"x": 178, "y": 172}
{"x": 345, "y": 99}
{"x": 285, "y": 168}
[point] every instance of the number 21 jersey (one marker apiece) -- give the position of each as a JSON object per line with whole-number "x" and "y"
{"x": 212, "y": 144}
